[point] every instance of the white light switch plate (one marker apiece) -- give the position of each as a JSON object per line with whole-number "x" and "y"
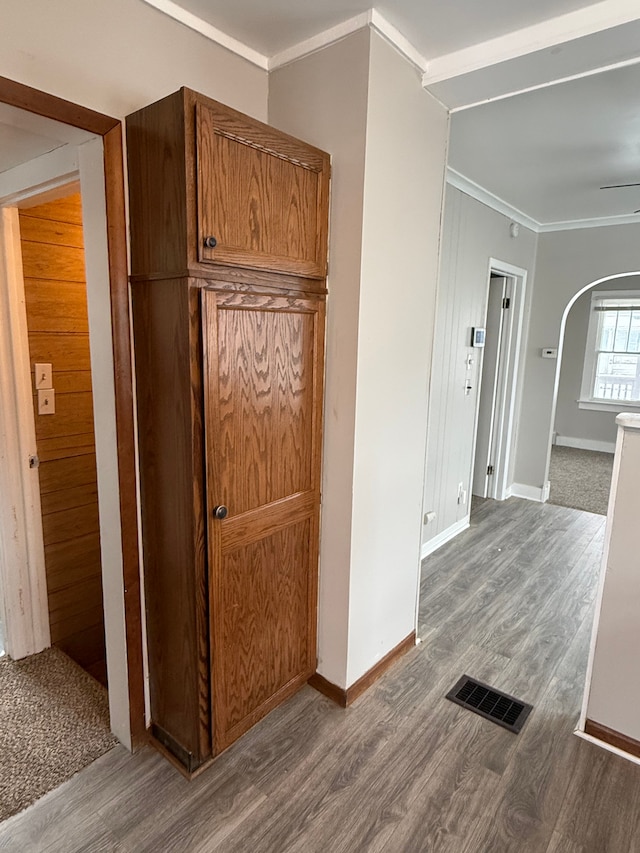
{"x": 46, "y": 401}
{"x": 43, "y": 376}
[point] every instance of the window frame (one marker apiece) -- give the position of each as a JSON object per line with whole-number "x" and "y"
{"x": 586, "y": 399}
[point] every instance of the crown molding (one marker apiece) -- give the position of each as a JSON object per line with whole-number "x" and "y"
{"x": 380, "y": 24}
{"x": 319, "y": 41}
{"x": 193, "y": 22}
{"x": 573, "y": 25}
{"x": 372, "y": 18}
{"x": 479, "y": 193}
{"x": 597, "y": 222}
{"x": 592, "y": 72}
{"x": 466, "y": 185}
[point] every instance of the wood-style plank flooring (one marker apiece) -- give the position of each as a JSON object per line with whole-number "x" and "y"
{"x": 510, "y": 602}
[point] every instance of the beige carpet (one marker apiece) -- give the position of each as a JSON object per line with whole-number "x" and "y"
{"x": 54, "y": 720}
{"x": 580, "y": 479}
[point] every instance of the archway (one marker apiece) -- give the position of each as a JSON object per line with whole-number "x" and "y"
{"x": 561, "y": 341}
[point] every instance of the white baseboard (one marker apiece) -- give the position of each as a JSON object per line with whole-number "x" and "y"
{"x": 445, "y": 536}
{"x": 586, "y": 444}
{"x": 529, "y": 493}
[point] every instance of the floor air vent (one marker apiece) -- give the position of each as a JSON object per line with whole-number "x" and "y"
{"x": 498, "y": 707}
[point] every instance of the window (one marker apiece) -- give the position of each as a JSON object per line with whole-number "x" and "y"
{"x": 611, "y": 374}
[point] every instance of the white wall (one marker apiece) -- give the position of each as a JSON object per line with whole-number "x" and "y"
{"x": 472, "y": 234}
{"x": 118, "y": 56}
{"x": 567, "y": 261}
{"x": 407, "y": 133}
{"x": 613, "y": 687}
{"x": 364, "y": 104}
{"x": 323, "y": 99}
{"x": 573, "y": 425}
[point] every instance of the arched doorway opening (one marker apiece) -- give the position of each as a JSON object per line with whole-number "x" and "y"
{"x": 611, "y": 280}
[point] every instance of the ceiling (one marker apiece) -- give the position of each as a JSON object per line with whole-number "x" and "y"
{"x": 25, "y": 136}
{"x": 549, "y": 151}
{"x": 531, "y": 145}
{"x": 17, "y": 146}
{"x": 434, "y": 28}
{"x": 539, "y": 155}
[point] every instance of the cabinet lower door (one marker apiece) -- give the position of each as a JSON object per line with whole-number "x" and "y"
{"x": 263, "y": 368}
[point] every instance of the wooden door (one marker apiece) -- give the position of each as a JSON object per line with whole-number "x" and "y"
{"x": 262, "y": 195}
{"x": 263, "y": 358}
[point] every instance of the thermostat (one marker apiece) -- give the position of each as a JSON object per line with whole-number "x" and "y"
{"x": 477, "y": 336}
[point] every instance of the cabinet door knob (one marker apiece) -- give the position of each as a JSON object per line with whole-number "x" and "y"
{"x": 210, "y": 242}
{"x": 220, "y": 512}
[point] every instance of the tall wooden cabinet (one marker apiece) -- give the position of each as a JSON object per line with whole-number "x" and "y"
{"x": 229, "y": 245}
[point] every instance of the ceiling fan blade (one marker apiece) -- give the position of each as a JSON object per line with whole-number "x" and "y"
{"x": 618, "y": 186}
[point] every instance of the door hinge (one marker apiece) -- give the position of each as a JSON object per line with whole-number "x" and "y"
{"x": 34, "y": 462}
{"x": 489, "y": 470}
{"x": 506, "y": 302}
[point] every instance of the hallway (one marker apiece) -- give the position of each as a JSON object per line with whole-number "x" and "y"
{"x": 508, "y": 602}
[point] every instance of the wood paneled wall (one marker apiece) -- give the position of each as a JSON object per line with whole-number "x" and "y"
{"x": 56, "y": 301}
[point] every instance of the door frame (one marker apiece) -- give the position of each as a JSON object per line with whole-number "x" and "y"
{"x": 110, "y": 130}
{"x": 508, "y": 373}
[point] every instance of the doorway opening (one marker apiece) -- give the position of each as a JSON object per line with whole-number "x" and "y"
{"x": 55, "y": 299}
{"x": 491, "y": 476}
{"x": 48, "y": 442}
{"x": 582, "y": 432}
{"x": 96, "y": 152}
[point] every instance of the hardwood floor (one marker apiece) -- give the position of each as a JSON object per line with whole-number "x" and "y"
{"x": 509, "y": 602}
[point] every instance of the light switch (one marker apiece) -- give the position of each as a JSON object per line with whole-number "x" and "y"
{"x": 43, "y": 376}
{"x": 46, "y": 401}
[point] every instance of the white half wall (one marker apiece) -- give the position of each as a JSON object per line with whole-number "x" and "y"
{"x": 472, "y": 234}
{"x": 612, "y": 693}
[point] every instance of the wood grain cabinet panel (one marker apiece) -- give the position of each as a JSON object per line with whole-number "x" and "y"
{"x": 199, "y": 170}
{"x": 261, "y": 199}
{"x": 262, "y": 370}
{"x": 229, "y": 343}
{"x": 261, "y": 597}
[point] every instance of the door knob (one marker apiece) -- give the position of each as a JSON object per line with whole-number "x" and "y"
{"x": 220, "y": 512}
{"x": 210, "y": 242}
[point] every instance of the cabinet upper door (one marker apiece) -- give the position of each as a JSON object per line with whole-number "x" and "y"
{"x": 262, "y": 195}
